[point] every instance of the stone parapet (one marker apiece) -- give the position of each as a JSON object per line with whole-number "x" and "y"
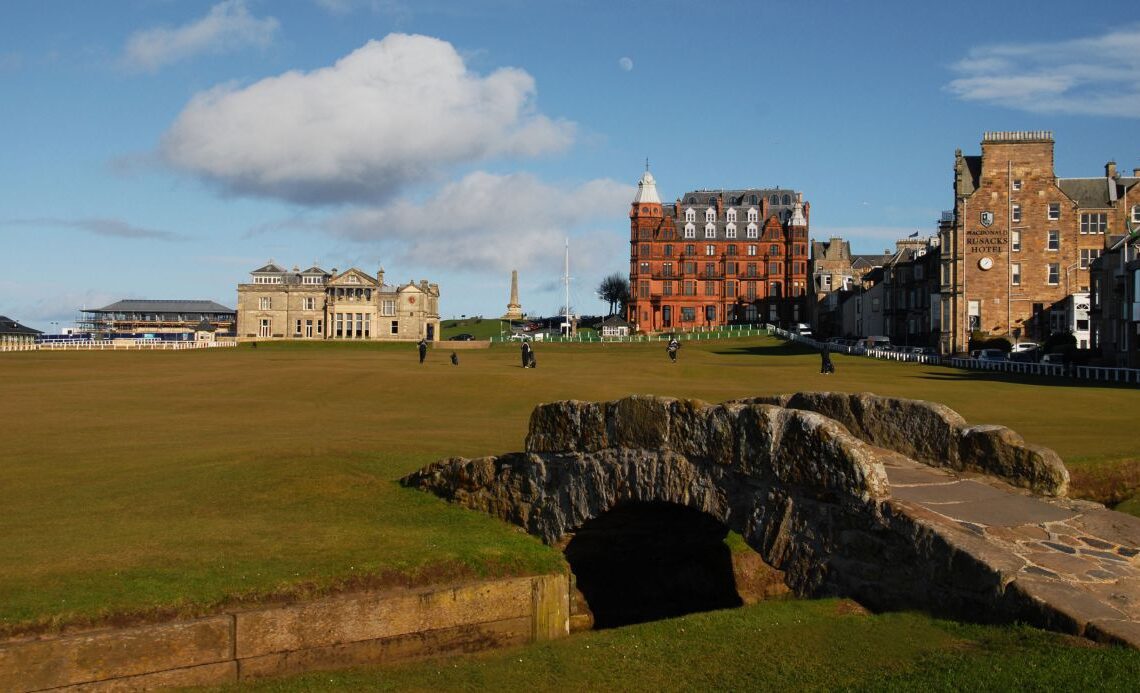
{"x": 936, "y": 435}
{"x": 341, "y": 631}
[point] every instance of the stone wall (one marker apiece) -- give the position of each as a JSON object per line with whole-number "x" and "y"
{"x": 336, "y": 632}
{"x": 936, "y": 435}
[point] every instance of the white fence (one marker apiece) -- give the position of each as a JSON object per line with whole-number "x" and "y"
{"x": 113, "y": 345}
{"x": 1102, "y": 374}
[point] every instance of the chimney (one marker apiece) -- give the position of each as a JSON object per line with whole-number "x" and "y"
{"x": 1110, "y": 170}
{"x": 719, "y": 205}
{"x": 1136, "y": 173}
{"x": 380, "y": 276}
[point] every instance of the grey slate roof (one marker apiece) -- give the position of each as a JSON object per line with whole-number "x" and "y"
{"x": 269, "y": 269}
{"x": 315, "y": 270}
{"x": 204, "y": 326}
{"x": 11, "y": 327}
{"x": 869, "y": 261}
{"x": 615, "y": 320}
{"x": 1086, "y": 192}
{"x": 781, "y": 211}
{"x": 161, "y": 306}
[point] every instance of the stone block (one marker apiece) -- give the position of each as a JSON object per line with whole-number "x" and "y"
{"x": 551, "y": 611}
{"x": 459, "y": 639}
{"x": 567, "y": 426}
{"x": 639, "y": 422}
{"x": 999, "y": 451}
{"x": 218, "y": 674}
{"x": 117, "y": 653}
{"x": 375, "y": 616}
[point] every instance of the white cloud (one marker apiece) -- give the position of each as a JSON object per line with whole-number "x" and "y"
{"x": 487, "y": 222}
{"x": 391, "y": 113}
{"x": 111, "y": 228}
{"x": 227, "y": 27}
{"x": 1088, "y": 76}
{"x": 625, "y": 64}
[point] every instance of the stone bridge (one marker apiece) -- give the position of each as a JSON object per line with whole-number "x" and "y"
{"x": 898, "y": 504}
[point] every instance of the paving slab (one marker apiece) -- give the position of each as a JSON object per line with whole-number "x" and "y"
{"x": 957, "y": 492}
{"x": 905, "y": 476}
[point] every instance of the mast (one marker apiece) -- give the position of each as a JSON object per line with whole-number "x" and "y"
{"x": 566, "y": 283}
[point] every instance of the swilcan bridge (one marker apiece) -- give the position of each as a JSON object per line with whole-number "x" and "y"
{"x": 898, "y": 504}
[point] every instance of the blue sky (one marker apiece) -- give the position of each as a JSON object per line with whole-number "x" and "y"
{"x": 163, "y": 149}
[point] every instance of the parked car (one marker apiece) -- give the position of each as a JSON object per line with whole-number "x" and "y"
{"x": 462, "y": 337}
{"x": 991, "y": 355}
{"x": 802, "y": 328}
{"x": 877, "y": 342}
{"x": 520, "y": 337}
{"x": 1056, "y": 358}
{"x": 1024, "y": 346}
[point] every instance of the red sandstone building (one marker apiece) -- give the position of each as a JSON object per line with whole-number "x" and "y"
{"x": 717, "y": 257}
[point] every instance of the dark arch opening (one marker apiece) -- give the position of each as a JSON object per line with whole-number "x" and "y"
{"x": 648, "y": 561}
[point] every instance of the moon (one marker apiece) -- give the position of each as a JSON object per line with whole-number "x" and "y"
{"x": 625, "y": 63}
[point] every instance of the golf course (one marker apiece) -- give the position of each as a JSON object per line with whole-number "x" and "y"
{"x": 139, "y": 486}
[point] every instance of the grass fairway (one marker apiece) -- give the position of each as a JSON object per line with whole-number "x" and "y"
{"x": 144, "y": 483}
{"x": 775, "y": 646}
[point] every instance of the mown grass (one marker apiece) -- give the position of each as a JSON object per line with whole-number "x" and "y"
{"x": 148, "y": 483}
{"x": 777, "y": 646}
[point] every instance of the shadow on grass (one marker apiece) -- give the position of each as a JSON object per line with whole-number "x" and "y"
{"x": 952, "y": 374}
{"x": 785, "y": 349}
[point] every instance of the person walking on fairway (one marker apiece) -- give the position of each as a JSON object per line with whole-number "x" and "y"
{"x": 423, "y": 350}
{"x": 825, "y": 365}
{"x": 674, "y": 345}
{"x": 527, "y": 354}
{"x": 454, "y": 359}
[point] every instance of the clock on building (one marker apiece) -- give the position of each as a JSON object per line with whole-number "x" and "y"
{"x": 986, "y": 263}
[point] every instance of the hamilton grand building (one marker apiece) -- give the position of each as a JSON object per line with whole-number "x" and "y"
{"x": 1016, "y": 255}
{"x": 316, "y": 304}
{"x": 717, "y": 257}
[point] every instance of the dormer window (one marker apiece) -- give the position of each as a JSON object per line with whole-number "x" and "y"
{"x": 753, "y": 231}
{"x": 774, "y": 200}
{"x": 730, "y": 230}
{"x": 690, "y": 215}
{"x": 755, "y": 200}
{"x": 753, "y": 215}
{"x": 710, "y": 214}
{"x": 732, "y": 215}
{"x": 787, "y": 199}
{"x": 710, "y": 230}
{"x": 712, "y": 202}
{"x": 692, "y": 200}
{"x": 690, "y": 231}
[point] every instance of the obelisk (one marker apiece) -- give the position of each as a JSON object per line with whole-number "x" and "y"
{"x": 514, "y": 310}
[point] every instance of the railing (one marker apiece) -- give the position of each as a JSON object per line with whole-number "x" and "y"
{"x": 114, "y": 345}
{"x": 682, "y": 334}
{"x": 1095, "y": 373}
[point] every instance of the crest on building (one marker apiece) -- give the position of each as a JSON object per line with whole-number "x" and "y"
{"x": 987, "y": 218}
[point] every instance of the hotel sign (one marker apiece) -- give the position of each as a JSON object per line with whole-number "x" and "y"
{"x": 987, "y": 219}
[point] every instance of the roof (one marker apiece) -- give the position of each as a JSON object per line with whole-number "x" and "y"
{"x": 647, "y": 190}
{"x": 1086, "y": 192}
{"x": 313, "y": 270}
{"x": 860, "y": 261}
{"x": 615, "y": 321}
{"x": 204, "y": 326}
{"x": 269, "y": 269}
{"x": 971, "y": 174}
{"x": 8, "y": 326}
{"x": 161, "y": 306}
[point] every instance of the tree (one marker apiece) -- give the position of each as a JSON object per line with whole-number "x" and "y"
{"x": 614, "y": 290}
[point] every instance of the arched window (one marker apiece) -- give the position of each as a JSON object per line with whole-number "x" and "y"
{"x": 690, "y": 231}
{"x": 730, "y": 230}
{"x": 712, "y": 202}
{"x": 755, "y": 201}
{"x": 774, "y": 200}
{"x": 731, "y": 215}
{"x": 710, "y": 230}
{"x": 692, "y": 200}
{"x": 690, "y": 214}
{"x": 787, "y": 199}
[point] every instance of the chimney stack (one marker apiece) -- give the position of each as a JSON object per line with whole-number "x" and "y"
{"x": 1110, "y": 170}
{"x": 1136, "y": 173}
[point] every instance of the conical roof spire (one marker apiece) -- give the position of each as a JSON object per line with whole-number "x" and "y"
{"x": 647, "y": 189}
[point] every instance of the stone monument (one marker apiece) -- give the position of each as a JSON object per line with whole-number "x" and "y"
{"x": 514, "y": 310}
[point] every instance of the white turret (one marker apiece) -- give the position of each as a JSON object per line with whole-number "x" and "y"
{"x": 647, "y": 190}
{"x": 798, "y": 218}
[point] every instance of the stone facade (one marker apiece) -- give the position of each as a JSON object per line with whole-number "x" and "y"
{"x": 717, "y": 257}
{"x": 1022, "y": 239}
{"x": 315, "y": 304}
